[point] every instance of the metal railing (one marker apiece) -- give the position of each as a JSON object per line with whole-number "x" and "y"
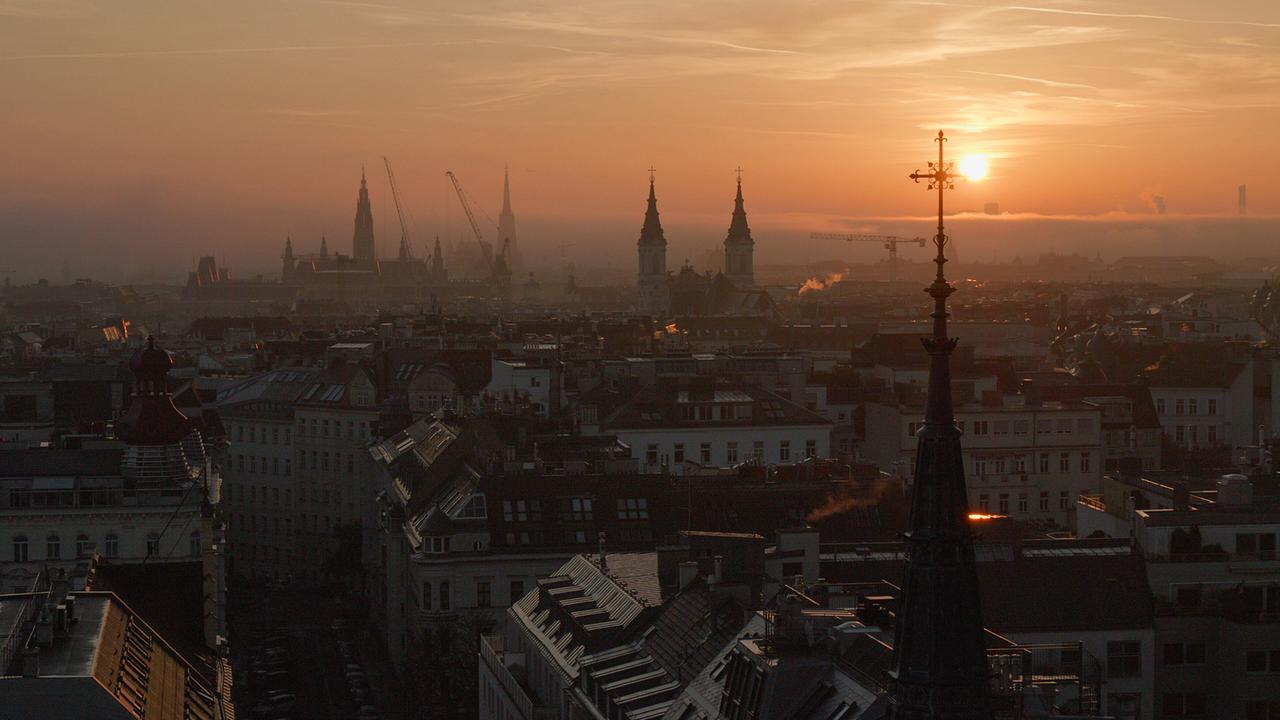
{"x": 490, "y": 655}
{"x": 18, "y": 635}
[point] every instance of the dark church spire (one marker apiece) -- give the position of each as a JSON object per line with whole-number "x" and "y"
{"x": 739, "y": 231}
{"x": 739, "y": 248}
{"x": 651, "y": 231}
{"x": 362, "y": 238}
{"x": 939, "y": 655}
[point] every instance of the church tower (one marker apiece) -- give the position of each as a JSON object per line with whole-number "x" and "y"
{"x": 362, "y": 238}
{"x": 288, "y": 261}
{"x": 654, "y": 295}
{"x": 507, "y": 223}
{"x": 739, "y": 247}
{"x": 438, "y": 272}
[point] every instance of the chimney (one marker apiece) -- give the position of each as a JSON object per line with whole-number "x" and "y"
{"x": 719, "y": 569}
{"x": 688, "y": 571}
{"x": 604, "y": 564}
{"x": 31, "y": 662}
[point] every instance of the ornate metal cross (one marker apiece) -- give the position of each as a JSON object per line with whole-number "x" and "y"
{"x": 941, "y": 178}
{"x": 652, "y": 170}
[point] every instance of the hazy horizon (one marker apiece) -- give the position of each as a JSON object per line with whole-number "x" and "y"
{"x": 150, "y": 134}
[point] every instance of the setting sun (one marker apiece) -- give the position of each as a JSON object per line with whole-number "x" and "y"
{"x": 973, "y": 167}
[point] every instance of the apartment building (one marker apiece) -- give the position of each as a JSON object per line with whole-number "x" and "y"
{"x": 1027, "y": 461}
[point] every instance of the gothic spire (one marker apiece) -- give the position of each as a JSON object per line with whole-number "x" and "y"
{"x": 939, "y": 654}
{"x": 651, "y": 232}
{"x": 506, "y": 189}
{"x": 362, "y": 237}
{"x": 739, "y": 231}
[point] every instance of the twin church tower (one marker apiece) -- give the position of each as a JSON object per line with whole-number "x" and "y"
{"x": 654, "y": 284}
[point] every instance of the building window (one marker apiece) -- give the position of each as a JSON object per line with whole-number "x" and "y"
{"x": 731, "y": 452}
{"x": 810, "y": 448}
{"x": 1044, "y": 501}
{"x": 678, "y": 454}
{"x": 1184, "y": 705}
{"x": 1193, "y": 407}
{"x": 20, "y": 553}
{"x": 53, "y": 548}
{"x": 1020, "y": 464}
{"x": 153, "y": 545}
{"x": 483, "y": 594}
{"x": 1022, "y": 502}
{"x": 1064, "y": 500}
{"x": 757, "y": 450}
{"x": 1124, "y": 659}
{"x": 1064, "y": 462}
{"x": 426, "y": 596}
{"x": 112, "y": 545}
{"x": 446, "y": 600}
{"x": 1213, "y": 406}
{"x": 633, "y": 508}
{"x": 1211, "y": 434}
{"x": 194, "y": 541}
{"x": 1004, "y": 503}
{"x": 1160, "y": 406}
{"x": 979, "y": 466}
{"x": 984, "y": 503}
{"x": 784, "y": 451}
{"x": 704, "y": 453}
{"x": 517, "y": 591}
{"x": 1179, "y": 406}
{"x": 1183, "y": 653}
{"x": 1084, "y": 462}
{"x": 651, "y": 455}
{"x": 1262, "y": 661}
{"x": 580, "y": 509}
{"x": 1044, "y": 462}
{"x": 1179, "y": 435}
{"x": 84, "y": 548}
{"x": 435, "y": 545}
{"x": 980, "y": 427}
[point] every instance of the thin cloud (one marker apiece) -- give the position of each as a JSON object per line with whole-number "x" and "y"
{"x": 1038, "y": 81}
{"x": 125, "y": 54}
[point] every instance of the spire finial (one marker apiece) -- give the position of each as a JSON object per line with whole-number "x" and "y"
{"x": 652, "y": 170}
{"x": 738, "y": 171}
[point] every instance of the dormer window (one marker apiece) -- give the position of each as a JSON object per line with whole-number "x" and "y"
{"x": 475, "y": 509}
{"x": 436, "y": 545}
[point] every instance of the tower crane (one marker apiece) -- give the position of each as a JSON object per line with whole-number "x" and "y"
{"x": 890, "y": 243}
{"x": 405, "y": 252}
{"x": 486, "y": 250}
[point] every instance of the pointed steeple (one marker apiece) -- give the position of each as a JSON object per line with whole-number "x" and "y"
{"x": 324, "y": 247}
{"x": 288, "y": 247}
{"x": 362, "y": 237}
{"x": 507, "y": 222}
{"x": 739, "y": 262}
{"x": 739, "y": 231}
{"x": 438, "y": 272}
{"x": 651, "y": 231}
{"x": 939, "y": 655}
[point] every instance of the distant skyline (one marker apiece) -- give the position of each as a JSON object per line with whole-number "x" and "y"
{"x": 147, "y": 134}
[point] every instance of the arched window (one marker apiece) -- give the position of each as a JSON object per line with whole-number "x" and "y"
{"x": 153, "y": 544}
{"x": 84, "y": 548}
{"x": 195, "y": 543}
{"x": 53, "y": 548}
{"x": 444, "y": 595}
{"x": 112, "y": 545}
{"x": 426, "y": 596}
{"x": 20, "y": 548}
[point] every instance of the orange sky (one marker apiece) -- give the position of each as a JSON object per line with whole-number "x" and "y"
{"x": 178, "y": 129}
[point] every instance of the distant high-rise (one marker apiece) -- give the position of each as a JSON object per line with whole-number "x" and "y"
{"x": 1158, "y": 201}
{"x": 507, "y": 223}
{"x": 1242, "y": 200}
{"x": 739, "y": 248}
{"x": 362, "y": 238}
{"x": 653, "y": 289}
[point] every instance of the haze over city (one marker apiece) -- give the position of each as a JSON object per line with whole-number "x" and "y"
{"x": 179, "y": 130}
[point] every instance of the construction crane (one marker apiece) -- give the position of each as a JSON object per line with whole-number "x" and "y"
{"x": 405, "y": 252}
{"x": 890, "y": 244}
{"x": 486, "y": 250}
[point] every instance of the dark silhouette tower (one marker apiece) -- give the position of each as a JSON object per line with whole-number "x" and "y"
{"x": 507, "y": 223}
{"x": 362, "y": 238}
{"x": 738, "y": 245}
{"x": 940, "y": 667}
{"x": 652, "y": 282}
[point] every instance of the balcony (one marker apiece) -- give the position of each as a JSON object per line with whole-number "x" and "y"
{"x": 492, "y": 660}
